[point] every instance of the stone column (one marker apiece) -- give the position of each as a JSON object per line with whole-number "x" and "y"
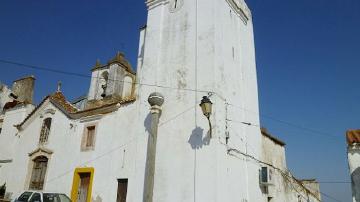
{"x": 155, "y": 100}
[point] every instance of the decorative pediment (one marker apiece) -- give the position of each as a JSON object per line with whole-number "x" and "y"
{"x": 48, "y": 112}
{"x": 41, "y": 151}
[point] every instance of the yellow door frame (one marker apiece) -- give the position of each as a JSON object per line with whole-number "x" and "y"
{"x": 76, "y": 180}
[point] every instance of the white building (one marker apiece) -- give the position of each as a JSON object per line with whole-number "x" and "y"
{"x": 278, "y": 184}
{"x": 95, "y": 148}
{"x": 353, "y": 140}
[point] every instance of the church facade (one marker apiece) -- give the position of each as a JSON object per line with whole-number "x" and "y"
{"x": 95, "y": 148}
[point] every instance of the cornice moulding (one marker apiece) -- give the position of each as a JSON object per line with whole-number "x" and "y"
{"x": 241, "y": 8}
{"x": 154, "y": 3}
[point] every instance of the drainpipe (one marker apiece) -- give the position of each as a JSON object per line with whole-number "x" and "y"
{"x": 155, "y": 100}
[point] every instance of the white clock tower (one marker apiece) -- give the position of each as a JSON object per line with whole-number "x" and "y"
{"x": 190, "y": 49}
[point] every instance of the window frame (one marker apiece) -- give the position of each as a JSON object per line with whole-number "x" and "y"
{"x": 45, "y": 131}
{"x": 84, "y": 140}
{"x": 120, "y": 184}
{"x": 35, "y": 194}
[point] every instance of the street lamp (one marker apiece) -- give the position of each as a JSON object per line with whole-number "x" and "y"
{"x": 206, "y": 107}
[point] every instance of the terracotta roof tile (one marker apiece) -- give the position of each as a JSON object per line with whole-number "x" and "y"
{"x": 353, "y": 136}
{"x": 61, "y": 100}
{"x": 69, "y": 109}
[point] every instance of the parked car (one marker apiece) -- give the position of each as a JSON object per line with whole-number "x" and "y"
{"x": 36, "y": 196}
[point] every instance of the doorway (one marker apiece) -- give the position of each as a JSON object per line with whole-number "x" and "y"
{"x": 82, "y": 185}
{"x": 122, "y": 190}
{"x": 38, "y": 173}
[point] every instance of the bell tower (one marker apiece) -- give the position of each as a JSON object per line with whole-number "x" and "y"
{"x": 111, "y": 82}
{"x": 191, "y": 49}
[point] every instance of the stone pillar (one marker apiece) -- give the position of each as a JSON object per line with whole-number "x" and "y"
{"x": 155, "y": 100}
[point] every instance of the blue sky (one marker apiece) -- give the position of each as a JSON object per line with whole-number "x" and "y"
{"x": 307, "y": 59}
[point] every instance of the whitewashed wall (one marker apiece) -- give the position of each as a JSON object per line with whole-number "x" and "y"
{"x": 191, "y": 47}
{"x": 199, "y": 46}
{"x": 274, "y": 154}
{"x": 284, "y": 186}
{"x": 112, "y": 157}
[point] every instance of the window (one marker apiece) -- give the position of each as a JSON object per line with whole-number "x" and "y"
{"x": 2, "y": 190}
{"x": 1, "y": 123}
{"x": 38, "y": 173}
{"x": 264, "y": 175}
{"x": 90, "y": 136}
{"x": 53, "y": 197}
{"x": 45, "y": 130}
{"x": 104, "y": 85}
{"x": 63, "y": 198}
{"x": 35, "y": 198}
{"x": 88, "y": 141}
{"x": 122, "y": 190}
{"x": 25, "y": 196}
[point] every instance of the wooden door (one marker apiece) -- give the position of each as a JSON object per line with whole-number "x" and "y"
{"x": 38, "y": 173}
{"x": 122, "y": 190}
{"x": 83, "y": 187}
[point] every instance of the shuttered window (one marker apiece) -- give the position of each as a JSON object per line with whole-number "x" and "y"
{"x": 38, "y": 173}
{"x": 90, "y": 136}
{"x": 88, "y": 139}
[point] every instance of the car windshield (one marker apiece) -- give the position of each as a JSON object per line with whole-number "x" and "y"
{"x": 24, "y": 197}
{"x": 51, "y": 197}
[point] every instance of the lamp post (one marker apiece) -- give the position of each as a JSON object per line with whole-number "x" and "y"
{"x": 206, "y": 107}
{"x": 155, "y": 100}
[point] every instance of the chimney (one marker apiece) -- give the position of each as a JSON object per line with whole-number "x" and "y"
{"x": 23, "y": 89}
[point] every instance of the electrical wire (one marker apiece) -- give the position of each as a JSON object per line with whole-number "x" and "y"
{"x": 287, "y": 123}
{"x": 335, "y": 182}
{"x": 118, "y": 147}
{"x": 92, "y": 160}
{"x": 286, "y": 177}
{"x": 86, "y": 76}
{"x": 280, "y": 170}
{"x": 173, "y": 88}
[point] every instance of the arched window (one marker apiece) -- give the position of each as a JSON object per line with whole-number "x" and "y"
{"x": 45, "y": 130}
{"x": 38, "y": 173}
{"x": 104, "y": 80}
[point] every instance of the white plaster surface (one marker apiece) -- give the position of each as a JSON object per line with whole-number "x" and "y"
{"x": 201, "y": 46}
